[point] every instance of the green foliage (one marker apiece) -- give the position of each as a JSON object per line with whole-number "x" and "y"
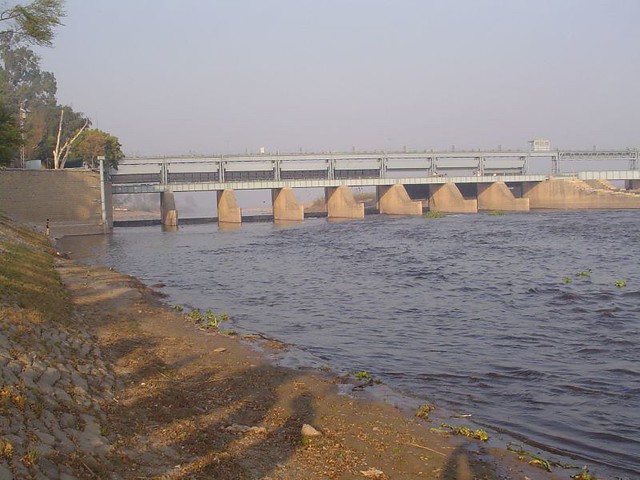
{"x": 584, "y": 274}
{"x": 478, "y": 434}
{"x": 535, "y": 460}
{"x": 584, "y": 475}
{"x": 496, "y": 213}
{"x": 34, "y": 22}
{"x": 567, "y": 280}
{"x": 424, "y": 411}
{"x": 177, "y": 308}
{"x": 621, "y": 284}
{"x": 94, "y": 143}
{"x": 23, "y": 83}
{"x": 362, "y": 375}
{"x": 434, "y": 215}
{"x": 208, "y": 319}
{"x": 10, "y": 138}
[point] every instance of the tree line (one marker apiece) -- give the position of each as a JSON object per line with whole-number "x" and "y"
{"x": 33, "y": 125}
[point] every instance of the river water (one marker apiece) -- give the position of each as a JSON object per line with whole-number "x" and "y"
{"x": 470, "y": 312}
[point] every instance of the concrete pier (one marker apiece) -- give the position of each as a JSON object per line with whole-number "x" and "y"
{"x": 447, "y": 198}
{"x": 168, "y": 212}
{"x": 228, "y": 210}
{"x": 341, "y": 204}
{"x": 394, "y": 200}
{"x": 497, "y": 196}
{"x": 575, "y": 194}
{"x": 285, "y": 205}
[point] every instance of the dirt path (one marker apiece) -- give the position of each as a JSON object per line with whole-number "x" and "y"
{"x": 196, "y": 404}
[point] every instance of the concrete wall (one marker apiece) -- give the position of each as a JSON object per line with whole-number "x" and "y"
{"x": 497, "y": 196}
{"x": 70, "y": 199}
{"x": 576, "y": 194}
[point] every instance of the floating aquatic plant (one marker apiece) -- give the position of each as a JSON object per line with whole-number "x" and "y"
{"x": 478, "y": 434}
{"x": 424, "y": 411}
{"x": 534, "y": 460}
{"x": 621, "y": 284}
{"x": 584, "y": 475}
{"x": 208, "y": 319}
{"x": 584, "y": 274}
{"x": 567, "y": 280}
{"x": 362, "y": 375}
{"x": 496, "y": 213}
{"x": 434, "y": 215}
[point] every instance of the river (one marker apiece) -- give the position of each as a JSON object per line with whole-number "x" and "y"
{"x": 515, "y": 319}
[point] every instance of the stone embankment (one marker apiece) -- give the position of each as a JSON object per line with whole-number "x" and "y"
{"x": 54, "y": 379}
{"x": 54, "y": 382}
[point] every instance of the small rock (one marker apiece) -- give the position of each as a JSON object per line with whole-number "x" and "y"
{"x": 372, "y": 473}
{"x": 219, "y": 350}
{"x": 309, "y": 431}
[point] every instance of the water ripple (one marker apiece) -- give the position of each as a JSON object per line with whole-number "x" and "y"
{"x": 469, "y": 311}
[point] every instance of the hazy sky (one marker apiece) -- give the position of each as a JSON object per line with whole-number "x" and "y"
{"x": 206, "y": 76}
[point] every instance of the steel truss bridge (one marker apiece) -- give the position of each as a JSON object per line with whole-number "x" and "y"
{"x": 247, "y": 172}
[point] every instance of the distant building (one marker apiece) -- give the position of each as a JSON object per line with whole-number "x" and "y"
{"x": 540, "y": 145}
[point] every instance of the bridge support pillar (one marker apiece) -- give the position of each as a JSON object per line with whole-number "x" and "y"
{"x": 575, "y": 194}
{"x": 228, "y": 210}
{"x": 632, "y": 184}
{"x": 394, "y": 200}
{"x": 497, "y": 196}
{"x": 285, "y": 205}
{"x": 341, "y": 204}
{"x": 168, "y": 210}
{"x": 447, "y": 198}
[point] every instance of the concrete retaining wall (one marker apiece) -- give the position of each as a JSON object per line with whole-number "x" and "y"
{"x": 70, "y": 199}
{"x": 576, "y": 194}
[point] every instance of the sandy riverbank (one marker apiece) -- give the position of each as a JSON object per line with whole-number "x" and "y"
{"x": 105, "y": 381}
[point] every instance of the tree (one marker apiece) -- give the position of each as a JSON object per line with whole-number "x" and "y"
{"x": 62, "y": 150}
{"x": 33, "y": 23}
{"x": 10, "y": 138}
{"x": 94, "y": 143}
{"x": 23, "y": 84}
{"x": 29, "y": 94}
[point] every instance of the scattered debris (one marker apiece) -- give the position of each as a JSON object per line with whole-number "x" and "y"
{"x": 236, "y": 428}
{"x": 372, "y": 473}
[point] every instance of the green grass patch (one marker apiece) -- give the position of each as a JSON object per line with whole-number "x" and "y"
{"x": 28, "y": 278}
{"x": 434, "y": 215}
